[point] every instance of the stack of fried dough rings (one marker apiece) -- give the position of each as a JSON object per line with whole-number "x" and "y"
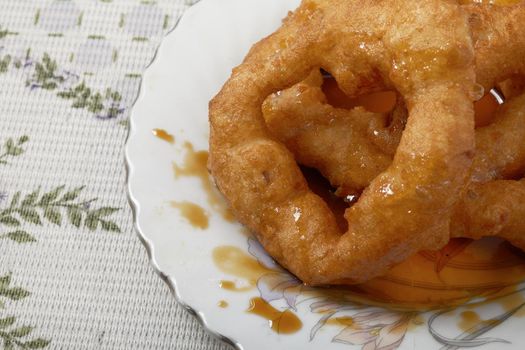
{"x": 422, "y": 174}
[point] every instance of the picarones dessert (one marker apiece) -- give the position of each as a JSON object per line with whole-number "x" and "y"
{"x": 414, "y": 177}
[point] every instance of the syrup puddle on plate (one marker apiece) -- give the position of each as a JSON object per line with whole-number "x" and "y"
{"x": 193, "y": 213}
{"x": 512, "y": 301}
{"x": 469, "y": 319}
{"x": 344, "y": 321}
{"x": 234, "y": 261}
{"x": 281, "y": 322}
{"x": 164, "y": 135}
{"x": 233, "y": 287}
{"x": 223, "y": 304}
{"x": 195, "y": 165}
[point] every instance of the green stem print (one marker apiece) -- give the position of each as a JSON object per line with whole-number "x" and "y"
{"x": 95, "y": 102}
{"x": 46, "y": 74}
{"x": 105, "y": 105}
{"x": 12, "y": 148}
{"x": 16, "y": 336}
{"x": 4, "y": 63}
{"x": 6, "y": 32}
{"x": 35, "y": 208}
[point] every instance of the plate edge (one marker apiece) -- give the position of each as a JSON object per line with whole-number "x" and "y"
{"x": 133, "y": 204}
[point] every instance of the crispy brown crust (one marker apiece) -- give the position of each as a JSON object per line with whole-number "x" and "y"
{"x": 306, "y": 124}
{"x": 406, "y": 208}
{"x": 349, "y": 147}
{"x": 314, "y": 131}
{"x": 492, "y": 204}
{"x": 499, "y": 41}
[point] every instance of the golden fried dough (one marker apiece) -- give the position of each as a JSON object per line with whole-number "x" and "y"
{"x": 348, "y": 147}
{"x": 495, "y": 208}
{"x": 488, "y": 207}
{"x": 296, "y": 119}
{"x": 499, "y": 41}
{"x": 406, "y": 45}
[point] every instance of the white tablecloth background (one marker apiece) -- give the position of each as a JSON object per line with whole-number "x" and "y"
{"x": 73, "y": 274}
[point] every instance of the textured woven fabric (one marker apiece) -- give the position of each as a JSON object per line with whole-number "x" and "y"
{"x": 73, "y": 274}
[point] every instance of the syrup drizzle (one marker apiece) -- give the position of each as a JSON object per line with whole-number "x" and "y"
{"x": 281, "y": 322}
{"x": 164, "y": 135}
{"x": 233, "y": 261}
{"x": 194, "y": 214}
{"x": 195, "y": 165}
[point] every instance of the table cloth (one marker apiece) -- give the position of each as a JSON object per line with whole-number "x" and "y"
{"x": 73, "y": 274}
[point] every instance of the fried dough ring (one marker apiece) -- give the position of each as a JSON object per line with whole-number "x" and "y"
{"x": 499, "y": 41}
{"x": 349, "y": 147}
{"x": 410, "y": 45}
{"x": 495, "y": 208}
{"x": 499, "y": 51}
{"x": 489, "y": 208}
{"x": 500, "y": 151}
{"x": 342, "y": 145}
{"x": 493, "y": 205}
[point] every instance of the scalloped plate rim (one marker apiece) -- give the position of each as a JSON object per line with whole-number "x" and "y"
{"x": 135, "y": 206}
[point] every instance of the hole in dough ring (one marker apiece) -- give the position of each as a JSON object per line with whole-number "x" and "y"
{"x": 411, "y": 47}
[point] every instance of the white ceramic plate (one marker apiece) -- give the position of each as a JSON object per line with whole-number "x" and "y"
{"x": 191, "y": 66}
